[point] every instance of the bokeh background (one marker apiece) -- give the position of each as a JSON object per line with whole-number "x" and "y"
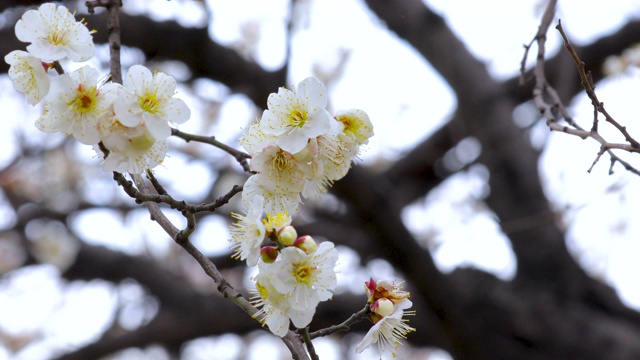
{"x": 511, "y": 249}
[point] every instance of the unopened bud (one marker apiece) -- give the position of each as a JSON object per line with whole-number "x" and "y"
{"x": 269, "y": 254}
{"x": 287, "y": 235}
{"x": 306, "y": 244}
{"x": 382, "y": 307}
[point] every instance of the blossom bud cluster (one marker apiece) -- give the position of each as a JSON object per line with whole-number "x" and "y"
{"x": 388, "y": 303}
{"x": 297, "y": 148}
{"x": 295, "y": 273}
{"x": 132, "y": 121}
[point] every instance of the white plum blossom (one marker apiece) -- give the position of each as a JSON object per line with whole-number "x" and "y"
{"x": 55, "y": 34}
{"x": 277, "y": 199}
{"x": 248, "y": 233}
{"x": 389, "y": 331}
{"x": 306, "y": 279}
{"x": 75, "y": 104}
{"x": 275, "y": 310}
{"x": 148, "y": 99}
{"x": 296, "y": 117}
{"x": 28, "y": 75}
{"x": 356, "y": 125}
{"x": 131, "y": 149}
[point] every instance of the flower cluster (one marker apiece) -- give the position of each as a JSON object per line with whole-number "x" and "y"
{"x": 132, "y": 121}
{"x": 388, "y": 304}
{"x": 297, "y": 148}
{"x": 295, "y": 273}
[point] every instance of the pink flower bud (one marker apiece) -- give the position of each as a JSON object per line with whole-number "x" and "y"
{"x": 269, "y": 254}
{"x": 306, "y": 244}
{"x": 370, "y": 287}
{"x": 287, "y": 235}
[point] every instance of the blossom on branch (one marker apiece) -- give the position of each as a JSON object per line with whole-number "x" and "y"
{"x": 388, "y": 304}
{"x": 275, "y": 310}
{"x": 389, "y": 331}
{"x": 28, "y": 75}
{"x": 55, "y": 34}
{"x": 75, "y": 104}
{"x": 148, "y": 99}
{"x": 297, "y": 116}
{"x": 306, "y": 279}
{"x": 131, "y": 149}
{"x": 291, "y": 287}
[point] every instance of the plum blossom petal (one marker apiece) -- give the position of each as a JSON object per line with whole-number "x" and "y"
{"x": 28, "y": 75}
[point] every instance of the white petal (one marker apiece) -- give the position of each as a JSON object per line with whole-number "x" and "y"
{"x": 313, "y": 92}
{"x": 157, "y": 127}
{"x": 176, "y": 111}
{"x": 138, "y": 79}
{"x": 292, "y": 142}
{"x": 125, "y": 107}
{"x": 164, "y": 85}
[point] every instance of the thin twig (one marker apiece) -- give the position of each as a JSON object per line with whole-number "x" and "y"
{"x": 344, "y": 326}
{"x": 240, "y": 156}
{"x": 543, "y": 90}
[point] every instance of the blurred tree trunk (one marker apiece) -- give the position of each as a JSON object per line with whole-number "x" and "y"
{"x": 551, "y": 310}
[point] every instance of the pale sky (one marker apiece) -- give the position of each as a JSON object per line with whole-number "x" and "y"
{"x": 606, "y": 241}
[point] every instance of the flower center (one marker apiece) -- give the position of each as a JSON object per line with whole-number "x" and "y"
{"x": 85, "y": 100}
{"x": 57, "y": 38}
{"x": 281, "y": 161}
{"x": 352, "y": 126}
{"x": 149, "y": 103}
{"x": 303, "y": 273}
{"x": 297, "y": 118}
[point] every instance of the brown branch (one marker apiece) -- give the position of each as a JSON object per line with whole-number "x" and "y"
{"x": 240, "y": 156}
